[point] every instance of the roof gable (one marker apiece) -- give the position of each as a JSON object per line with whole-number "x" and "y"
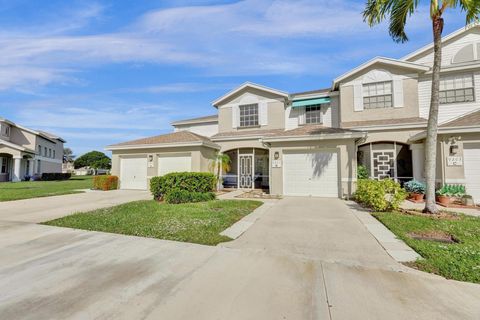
{"x": 247, "y": 85}
{"x": 445, "y": 40}
{"x": 382, "y": 61}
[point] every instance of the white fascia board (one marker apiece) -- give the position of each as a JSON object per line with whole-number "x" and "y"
{"x": 444, "y": 39}
{"x": 389, "y": 61}
{"x": 328, "y": 136}
{"x": 162, "y": 145}
{"x": 249, "y": 85}
{"x": 12, "y": 145}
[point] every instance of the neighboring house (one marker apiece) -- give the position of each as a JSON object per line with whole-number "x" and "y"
{"x": 67, "y": 167}
{"x": 310, "y": 143}
{"x": 25, "y": 152}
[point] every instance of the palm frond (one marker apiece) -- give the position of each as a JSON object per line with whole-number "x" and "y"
{"x": 471, "y": 8}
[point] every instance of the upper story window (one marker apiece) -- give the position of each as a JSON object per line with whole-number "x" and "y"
{"x": 45, "y": 151}
{"x": 39, "y": 150}
{"x": 377, "y": 95}
{"x": 49, "y": 153}
{"x": 456, "y": 89}
{"x": 313, "y": 114}
{"x": 54, "y": 154}
{"x": 7, "y": 131}
{"x": 249, "y": 115}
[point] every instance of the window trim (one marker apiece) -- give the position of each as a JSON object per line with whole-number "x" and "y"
{"x": 257, "y": 114}
{"x": 320, "y": 116}
{"x": 365, "y": 107}
{"x": 455, "y": 89}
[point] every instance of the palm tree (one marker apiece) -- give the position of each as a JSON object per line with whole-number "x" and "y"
{"x": 68, "y": 155}
{"x": 397, "y": 12}
{"x": 220, "y": 162}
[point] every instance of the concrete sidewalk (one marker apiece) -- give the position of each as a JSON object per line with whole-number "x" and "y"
{"x": 47, "y": 208}
{"x": 303, "y": 258}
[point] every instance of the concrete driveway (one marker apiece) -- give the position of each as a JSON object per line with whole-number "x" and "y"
{"x": 306, "y": 258}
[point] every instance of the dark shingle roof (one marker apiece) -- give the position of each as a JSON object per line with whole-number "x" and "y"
{"x": 468, "y": 120}
{"x": 384, "y": 122}
{"x": 210, "y": 118}
{"x": 175, "y": 137}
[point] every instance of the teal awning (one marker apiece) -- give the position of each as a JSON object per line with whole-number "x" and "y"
{"x": 310, "y": 102}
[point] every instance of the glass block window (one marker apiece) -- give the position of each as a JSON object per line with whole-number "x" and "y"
{"x": 457, "y": 89}
{"x": 313, "y": 114}
{"x": 249, "y": 115}
{"x": 377, "y": 95}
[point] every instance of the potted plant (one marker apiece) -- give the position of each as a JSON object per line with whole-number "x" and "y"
{"x": 416, "y": 189}
{"x": 444, "y": 194}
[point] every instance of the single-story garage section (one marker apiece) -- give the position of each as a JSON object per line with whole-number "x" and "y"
{"x": 136, "y": 162}
{"x": 307, "y": 161}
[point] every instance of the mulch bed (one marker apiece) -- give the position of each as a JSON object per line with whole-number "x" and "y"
{"x": 435, "y": 235}
{"x": 446, "y": 215}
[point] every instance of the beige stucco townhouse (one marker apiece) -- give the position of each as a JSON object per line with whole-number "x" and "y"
{"x": 24, "y": 151}
{"x": 310, "y": 143}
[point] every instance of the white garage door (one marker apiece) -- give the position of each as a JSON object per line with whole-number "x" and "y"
{"x": 471, "y": 156}
{"x": 133, "y": 173}
{"x": 174, "y": 163}
{"x": 310, "y": 174}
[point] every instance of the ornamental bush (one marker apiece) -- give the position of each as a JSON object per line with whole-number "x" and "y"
{"x": 55, "y": 176}
{"x": 202, "y": 182}
{"x": 177, "y": 196}
{"x": 415, "y": 186}
{"x": 105, "y": 183}
{"x": 380, "y": 195}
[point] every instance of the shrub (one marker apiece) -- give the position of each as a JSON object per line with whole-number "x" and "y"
{"x": 380, "y": 195}
{"x": 55, "y": 176}
{"x": 450, "y": 190}
{"x": 177, "y": 196}
{"x": 414, "y": 186}
{"x": 105, "y": 183}
{"x": 189, "y": 181}
{"x": 362, "y": 172}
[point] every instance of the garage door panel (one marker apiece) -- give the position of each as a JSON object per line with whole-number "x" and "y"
{"x": 471, "y": 155}
{"x": 310, "y": 173}
{"x": 178, "y": 163}
{"x": 133, "y": 173}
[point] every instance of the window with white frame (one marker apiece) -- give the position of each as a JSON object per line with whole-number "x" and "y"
{"x": 457, "y": 89}
{"x": 377, "y": 95}
{"x": 7, "y": 131}
{"x": 313, "y": 114}
{"x": 45, "y": 151}
{"x": 4, "y": 165}
{"x": 39, "y": 150}
{"x": 249, "y": 115}
{"x": 54, "y": 154}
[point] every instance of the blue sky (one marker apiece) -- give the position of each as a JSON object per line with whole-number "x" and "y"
{"x": 101, "y": 72}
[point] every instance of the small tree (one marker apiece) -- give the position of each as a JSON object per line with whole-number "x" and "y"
{"x": 93, "y": 159}
{"x": 219, "y": 163}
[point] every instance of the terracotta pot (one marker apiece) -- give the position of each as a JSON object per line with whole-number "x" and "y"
{"x": 443, "y": 200}
{"x": 418, "y": 196}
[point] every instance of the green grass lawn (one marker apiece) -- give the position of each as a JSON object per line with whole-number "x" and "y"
{"x": 34, "y": 189}
{"x": 459, "y": 261}
{"x": 191, "y": 222}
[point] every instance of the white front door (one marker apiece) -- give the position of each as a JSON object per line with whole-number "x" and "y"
{"x": 471, "y": 162}
{"x": 174, "y": 163}
{"x": 133, "y": 173}
{"x": 309, "y": 173}
{"x": 245, "y": 171}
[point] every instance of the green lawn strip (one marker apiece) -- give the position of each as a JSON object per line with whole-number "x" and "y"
{"x": 33, "y": 189}
{"x": 459, "y": 261}
{"x": 191, "y": 222}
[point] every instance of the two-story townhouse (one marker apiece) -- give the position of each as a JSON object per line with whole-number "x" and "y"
{"x": 310, "y": 143}
{"x": 25, "y": 152}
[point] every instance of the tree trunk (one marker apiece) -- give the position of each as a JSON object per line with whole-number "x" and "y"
{"x": 431, "y": 141}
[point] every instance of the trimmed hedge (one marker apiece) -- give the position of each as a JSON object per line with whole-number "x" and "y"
{"x": 202, "y": 182}
{"x": 380, "y": 195}
{"x": 176, "y": 196}
{"x": 55, "y": 176}
{"x": 105, "y": 183}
